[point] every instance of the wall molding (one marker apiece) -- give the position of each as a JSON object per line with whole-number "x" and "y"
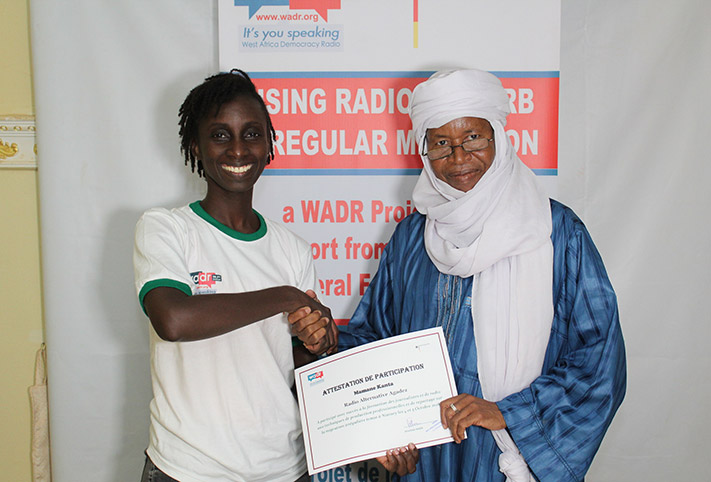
{"x": 18, "y": 147}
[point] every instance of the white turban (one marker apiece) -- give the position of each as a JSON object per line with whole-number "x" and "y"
{"x": 451, "y": 94}
{"x": 499, "y": 233}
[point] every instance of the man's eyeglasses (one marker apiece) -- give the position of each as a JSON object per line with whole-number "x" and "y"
{"x": 472, "y": 145}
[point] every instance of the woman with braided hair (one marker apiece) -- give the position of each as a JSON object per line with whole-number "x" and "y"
{"x": 215, "y": 278}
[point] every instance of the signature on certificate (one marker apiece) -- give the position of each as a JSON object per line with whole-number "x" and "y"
{"x": 413, "y": 425}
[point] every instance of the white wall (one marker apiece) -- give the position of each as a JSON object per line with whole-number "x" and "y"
{"x": 634, "y": 164}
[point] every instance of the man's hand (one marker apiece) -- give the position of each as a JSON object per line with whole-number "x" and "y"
{"x": 315, "y": 327}
{"x": 402, "y": 460}
{"x": 469, "y": 410}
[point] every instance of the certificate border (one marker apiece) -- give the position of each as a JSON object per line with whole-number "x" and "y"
{"x": 436, "y": 332}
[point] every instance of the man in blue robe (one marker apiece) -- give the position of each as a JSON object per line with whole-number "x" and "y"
{"x": 517, "y": 286}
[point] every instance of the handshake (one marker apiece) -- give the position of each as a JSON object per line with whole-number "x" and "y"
{"x": 314, "y": 326}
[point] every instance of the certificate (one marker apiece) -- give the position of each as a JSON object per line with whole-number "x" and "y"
{"x": 357, "y": 404}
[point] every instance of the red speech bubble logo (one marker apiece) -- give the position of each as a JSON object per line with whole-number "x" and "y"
{"x": 321, "y": 6}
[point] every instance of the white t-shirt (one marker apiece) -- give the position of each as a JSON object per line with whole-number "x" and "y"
{"x": 223, "y": 409}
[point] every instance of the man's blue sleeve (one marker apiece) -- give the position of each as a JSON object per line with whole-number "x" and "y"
{"x": 559, "y": 421}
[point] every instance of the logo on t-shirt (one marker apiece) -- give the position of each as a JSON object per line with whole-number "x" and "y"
{"x": 205, "y": 281}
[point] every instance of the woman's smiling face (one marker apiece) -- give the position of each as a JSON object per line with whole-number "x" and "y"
{"x": 461, "y": 169}
{"x": 233, "y": 145}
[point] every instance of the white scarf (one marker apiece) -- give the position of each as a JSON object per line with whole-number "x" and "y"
{"x": 499, "y": 233}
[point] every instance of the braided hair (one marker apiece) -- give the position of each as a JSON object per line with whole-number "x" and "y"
{"x": 207, "y": 99}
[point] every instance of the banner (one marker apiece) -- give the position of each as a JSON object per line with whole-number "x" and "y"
{"x": 337, "y": 78}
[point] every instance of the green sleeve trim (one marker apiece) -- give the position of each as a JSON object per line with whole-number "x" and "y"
{"x": 163, "y": 282}
{"x": 296, "y": 342}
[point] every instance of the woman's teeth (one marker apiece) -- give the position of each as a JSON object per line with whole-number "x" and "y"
{"x": 237, "y": 169}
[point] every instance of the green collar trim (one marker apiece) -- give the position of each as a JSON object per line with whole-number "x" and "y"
{"x": 259, "y": 233}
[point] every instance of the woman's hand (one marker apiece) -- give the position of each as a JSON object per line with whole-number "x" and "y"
{"x": 402, "y": 460}
{"x": 314, "y": 326}
{"x": 464, "y": 410}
